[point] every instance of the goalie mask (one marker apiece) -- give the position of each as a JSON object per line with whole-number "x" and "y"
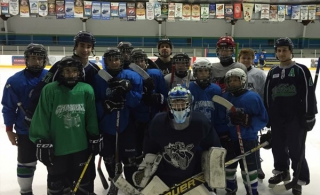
{"x": 84, "y": 37}
{"x": 202, "y": 72}
{"x": 139, "y": 57}
{"x": 235, "y": 80}
{"x": 113, "y": 61}
{"x": 125, "y": 49}
{"x": 70, "y": 71}
{"x": 182, "y": 64}
{"x": 179, "y": 101}
{"x": 225, "y": 50}
{"x": 36, "y": 58}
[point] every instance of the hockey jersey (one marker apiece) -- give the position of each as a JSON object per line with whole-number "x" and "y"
{"x": 165, "y": 67}
{"x": 256, "y": 80}
{"x": 176, "y": 80}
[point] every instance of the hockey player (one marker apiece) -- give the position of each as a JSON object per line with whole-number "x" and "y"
{"x": 181, "y": 61}
{"x": 256, "y": 80}
{"x": 154, "y": 95}
{"x": 17, "y": 89}
{"x": 125, "y": 49}
{"x": 84, "y": 43}
{"x": 176, "y": 136}
{"x": 114, "y": 101}
{"x": 262, "y": 59}
{"x": 64, "y": 127}
{"x": 291, "y": 104}
{"x": 164, "y": 60}
{"x": 225, "y": 51}
{"x": 251, "y": 116}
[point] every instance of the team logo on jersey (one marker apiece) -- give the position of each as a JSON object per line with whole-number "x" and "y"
{"x": 178, "y": 154}
{"x": 70, "y": 113}
{"x": 250, "y": 86}
{"x": 206, "y": 107}
{"x": 291, "y": 73}
{"x": 284, "y": 90}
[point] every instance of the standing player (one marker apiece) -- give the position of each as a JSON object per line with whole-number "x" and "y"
{"x": 164, "y": 60}
{"x": 291, "y": 104}
{"x": 181, "y": 61}
{"x": 125, "y": 49}
{"x": 225, "y": 51}
{"x": 17, "y": 89}
{"x": 65, "y": 128}
{"x": 251, "y": 116}
{"x": 256, "y": 58}
{"x": 119, "y": 95}
{"x": 262, "y": 59}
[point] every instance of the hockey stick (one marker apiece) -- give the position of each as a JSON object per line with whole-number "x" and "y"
{"x": 101, "y": 175}
{"x": 222, "y": 101}
{"x": 173, "y": 67}
{"x": 285, "y": 187}
{"x": 188, "y": 79}
{"x": 75, "y": 189}
{"x": 15, "y": 98}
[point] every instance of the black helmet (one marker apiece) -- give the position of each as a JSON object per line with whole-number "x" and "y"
{"x": 36, "y": 50}
{"x": 283, "y": 42}
{"x": 115, "y": 53}
{"x": 138, "y": 53}
{"x": 85, "y": 37}
{"x": 69, "y": 61}
{"x": 164, "y": 41}
{"x": 181, "y": 57}
{"x": 124, "y": 45}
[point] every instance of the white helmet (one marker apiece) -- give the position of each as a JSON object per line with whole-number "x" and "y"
{"x": 202, "y": 64}
{"x": 236, "y": 72}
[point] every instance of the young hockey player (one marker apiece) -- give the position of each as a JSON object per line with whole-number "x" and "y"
{"x": 262, "y": 59}
{"x": 17, "y": 89}
{"x": 164, "y": 60}
{"x": 291, "y": 104}
{"x": 177, "y": 137}
{"x": 181, "y": 61}
{"x": 256, "y": 80}
{"x": 225, "y": 51}
{"x": 114, "y": 101}
{"x": 125, "y": 49}
{"x": 154, "y": 95}
{"x": 251, "y": 116}
{"x": 65, "y": 128}
{"x": 84, "y": 43}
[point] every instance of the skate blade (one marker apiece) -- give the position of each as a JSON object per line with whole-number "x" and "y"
{"x": 273, "y": 185}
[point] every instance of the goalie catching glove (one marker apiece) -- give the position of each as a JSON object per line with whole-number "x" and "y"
{"x": 45, "y": 152}
{"x": 146, "y": 170}
{"x": 240, "y": 118}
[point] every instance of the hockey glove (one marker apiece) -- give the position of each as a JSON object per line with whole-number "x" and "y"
{"x": 45, "y": 152}
{"x": 308, "y": 121}
{"x": 151, "y": 99}
{"x": 110, "y": 105}
{"x": 121, "y": 85}
{"x": 266, "y": 137}
{"x": 96, "y": 144}
{"x": 227, "y": 143}
{"x": 240, "y": 118}
{"x": 148, "y": 85}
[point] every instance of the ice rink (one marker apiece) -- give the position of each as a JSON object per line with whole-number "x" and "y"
{"x": 8, "y": 162}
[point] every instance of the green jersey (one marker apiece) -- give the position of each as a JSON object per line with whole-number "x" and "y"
{"x": 65, "y": 117}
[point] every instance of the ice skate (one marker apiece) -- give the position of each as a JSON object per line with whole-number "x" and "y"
{"x": 261, "y": 175}
{"x": 297, "y": 190}
{"x": 279, "y": 177}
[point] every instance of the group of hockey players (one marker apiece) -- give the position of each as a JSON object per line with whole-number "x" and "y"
{"x": 156, "y": 121}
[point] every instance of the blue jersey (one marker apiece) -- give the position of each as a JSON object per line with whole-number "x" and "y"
{"x": 256, "y": 57}
{"x": 252, "y": 105}
{"x": 144, "y": 113}
{"x": 21, "y": 87}
{"x": 107, "y": 123}
{"x": 262, "y": 56}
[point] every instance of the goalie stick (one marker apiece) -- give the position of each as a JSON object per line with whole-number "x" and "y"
{"x": 285, "y": 187}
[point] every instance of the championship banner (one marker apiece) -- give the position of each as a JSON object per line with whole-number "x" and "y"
{"x": 78, "y": 9}
{"x": 212, "y": 10}
{"x": 312, "y": 12}
{"x": 122, "y": 10}
{"x": 304, "y": 12}
{"x": 257, "y": 8}
{"x": 140, "y": 11}
{"x": 13, "y": 7}
{"x": 247, "y": 11}
{"x": 24, "y": 8}
{"x": 5, "y": 7}
{"x": 281, "y": 13}
{"x": 88, "y": 8}
{"x": 105, "y": 10}
{"x": 60, "y": 10}
{"x": 228, "y": 14}
{"x": 69, "y": 8}
{"x": 195, "y": 12}
{"x": 204, "y": 12}
{"x": 178, "y": 11}
{"x": 157, "y": 9}
{"x": 34, "y": 9}
{"x": 186, "y": 12}
{"x": 43, "y": 8}
{"x": 171, "y": 13}
{"x": 51, "y": 7}
{"x": 273, "y": 14}
{"x": 114, "y": 9}
{"x": 295, "y": 12}
{"x": 150, "y": 10}
{"x": 219, "y": 11}
{"x": 164, "y": 10}
{"x": 318, "y": 10}
{"x": 265, "y": 11}
{"x": 237, "y": 11}
{"x": 96, "y": 10}
{"x": 131, "y": 11}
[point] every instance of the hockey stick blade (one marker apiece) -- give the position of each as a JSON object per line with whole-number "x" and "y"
{"x": 101, "y": 175}
{"x": 188, "y": 79}
{"x": 220, "y": 100}
{"x": 139, "y": 70}
{"x": 104, "y": 75}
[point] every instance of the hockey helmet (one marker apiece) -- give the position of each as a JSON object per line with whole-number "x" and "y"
{"x": 236, "y": 72}
{"x": 68, "y": 76}
{"x": 202, "y": 64}
{"x": 182, "y": 64}
{"x": 138, "y": 56}
{"x": 164, "y": 41}
{"x": 225, "y": 44}
{"x": 39, "y": 51}
{"x": 113, "y": 54}
{"x": 283, "y": 42}
{"x": 85, "y": 37}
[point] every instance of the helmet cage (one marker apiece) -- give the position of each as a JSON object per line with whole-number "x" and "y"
{"x": 179, "y": 101}
{"x": 239, "y": 73}
{"x": 69, "y": 62}
{"x": 36, "y": 50}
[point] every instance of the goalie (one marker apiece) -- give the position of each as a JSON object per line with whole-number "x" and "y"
{"x": 174, "y": 144}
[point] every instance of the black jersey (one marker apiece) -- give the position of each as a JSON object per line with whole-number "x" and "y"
{"x": 180, "y": 149}
{"x": 165, "y": 67}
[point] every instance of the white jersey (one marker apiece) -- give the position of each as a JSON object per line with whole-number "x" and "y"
{"x": 256, "y": 81}
{"x": 176, "y": 80}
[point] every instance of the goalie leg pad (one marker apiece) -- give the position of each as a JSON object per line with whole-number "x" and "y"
{"x": 155, "y": 187}
{"x": 213, "y": 167}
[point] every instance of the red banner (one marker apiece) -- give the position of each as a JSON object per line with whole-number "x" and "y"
{"x": 237, "y": 13}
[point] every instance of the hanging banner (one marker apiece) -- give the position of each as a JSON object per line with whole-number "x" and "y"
{"x": 5, "y": 7}
{"x": 131, "y": 12}
{"x": 122, "y": 10}
{"x": 228, "y": 13}
{"x": 265, "y": 11}
{"x": 195, "y": 12}
{"x": 88, "y": 8}
{"x": 295, "y": 12}
{"x": 52, "y": 8}
{"x": 96, "y": 10}
{"x": 304, "y": 12}
{"x": 140, "y": 11}
{"x": 164, "y": 10}
{"x": 78, "y": 9}
{"x": 212, "y": 10}
{"x": 13, "y": 7}
{"x": 288, "y": 10}
{"x": 114, "y": 9}
{"x": 34, "y": 9}
{"x": 186, "y": 12}
{"x": 318, "y": 10}
{"x": 171, "y": 13}
{"x": 178, "y": 11}
{"x": 273, "y": 15}
{"x": 150, "y": 10}
{"x": 24, "y": 8}
{"x": 204, "y": 12}
{"x": 69, "y": 7}
{"x": 105, "y": 10}
{"x": 281, "y": 13}
{"x": 60, "y": 10}
{"x": 237, "y": 11}
{"x": 43, "y": 8}
{"x": 219, "y": 11}
{"x": 247, "y": 11}
{"x": 312, "y": 12}
{"x": 257, "y": 8}
{"x": 157, "y": 9}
